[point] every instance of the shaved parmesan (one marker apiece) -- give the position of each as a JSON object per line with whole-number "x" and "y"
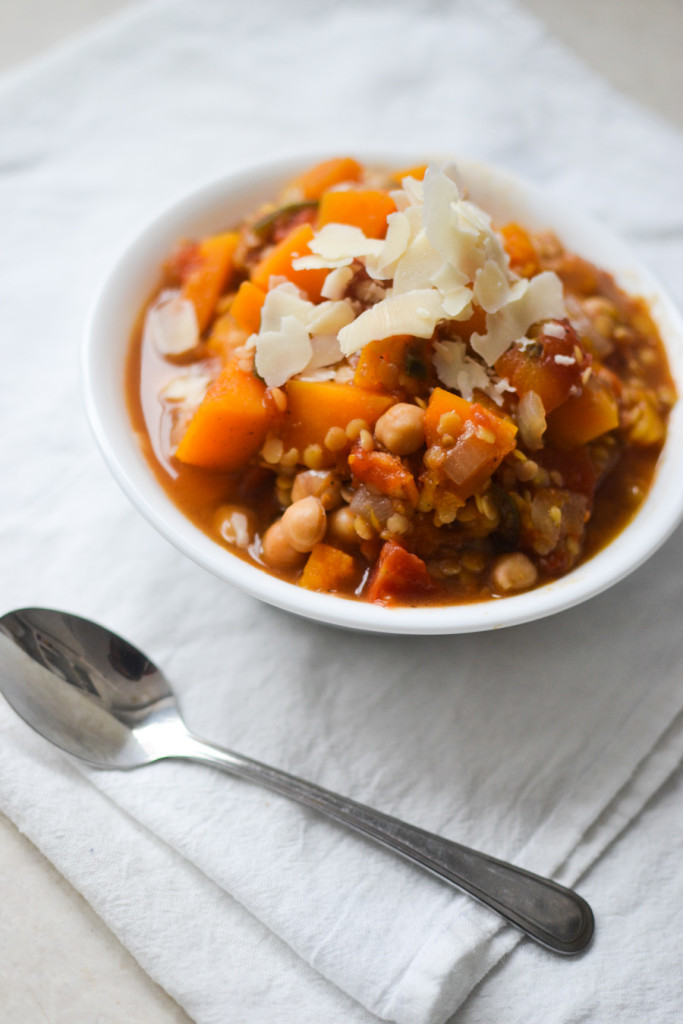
{"x": 399, "y": 232}
{"x": 439, "y": 258}
{"x": 554, "y": 330}
{"x": 325, "y": 352}
{"x": 189, "y": 389}
{"x": 171, "y": 324}
{"x": 319, "y": 374}
{"x": 529, "y": 302}
{"x": 282, "y": 353}
{"x": 461, "y": 373}
{"x": 458, "y": 303}
{"x": 416, "y": 266}
{"x": 448, "y": 279}
{"x": 336, "y": 244}
{"x": 491, "y": 287}
{"x": 415, "y": 313}
{"x": 330, "y": 317}
{"x": 336, "y": 283}
{"x": 321, "y": 262}
{"x": 285, "y": 300}
{"x": 414, "y": 190}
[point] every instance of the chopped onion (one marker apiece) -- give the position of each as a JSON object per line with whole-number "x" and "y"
{"x": 531, "y": 420}
{"x": 467, "y": 456}
{"x": 374, "y": 508}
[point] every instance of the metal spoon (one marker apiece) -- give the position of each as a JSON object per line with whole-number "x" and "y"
{"x": 99, "y": 698}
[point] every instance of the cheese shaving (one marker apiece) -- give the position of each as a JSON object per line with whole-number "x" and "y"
{"x": 415, "y": 313}
{"x": 330, "y": 317}
{"x": 285, "y": 300}
{"x": 189, "y": 389}
{"x": 282, "y": 353}
{"x": 171, "y": 324}
{"x": 336, "y": 283}
{"x": 439, "y": 259}
{"x": 337, "y": 245}
{"x": 459, "y": 372}
{"x": 325, "y": 351}
{"x": 491, "y": 287}
{"x": 416, "y": 266}
{"x": 529, "y": 302}
{"x": 399, "y": 233}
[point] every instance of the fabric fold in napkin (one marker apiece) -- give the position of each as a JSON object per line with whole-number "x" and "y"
{"x": 538, "y": 744}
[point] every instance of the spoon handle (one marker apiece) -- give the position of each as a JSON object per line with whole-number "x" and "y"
{"x": 554, "y": 916}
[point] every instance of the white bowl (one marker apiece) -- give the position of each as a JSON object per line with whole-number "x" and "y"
{"x": 223, "y": 204}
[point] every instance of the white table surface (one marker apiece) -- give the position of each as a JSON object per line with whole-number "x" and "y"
{"x": 58, "y": 961}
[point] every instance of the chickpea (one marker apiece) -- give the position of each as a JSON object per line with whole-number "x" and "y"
{"x": 401, "y": 429}
{"x": 321, "y": 484}
{"x": 341, "y": 526}
{"x": 304, "y": 523}
{"x": 514, "y": 571}
{"x": 277, "y": 550}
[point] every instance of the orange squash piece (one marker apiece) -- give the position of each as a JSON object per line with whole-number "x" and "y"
{"x": 520, "y": 249}
{"x": 230, "y": 425}
{"x": 224, "y": 337}
{"x": 246, "y": 307}
{"x": 418, "y": 172}
{"x": 329, "y": 569}
{"x": 380, "y": 362}
{"x": 317, "y": 180}
{"x": 585, "y": 416}
{"x": 366, "y": 209}
{"x": 210, "y": 274}
{"x": 313, "y": 407}
{"x": 278, "y": 263}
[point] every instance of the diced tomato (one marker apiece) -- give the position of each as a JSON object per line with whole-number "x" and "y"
{"x": 182, "y": 262}
{"x": 548, "y": 366}
{"x": 574, "y": 465}
{"x": 385, "y": 472}
{"x": 398, "y": 576}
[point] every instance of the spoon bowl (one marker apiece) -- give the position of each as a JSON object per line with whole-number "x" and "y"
{"x": 85, "y": 689}
{"x": 94, "y": 695}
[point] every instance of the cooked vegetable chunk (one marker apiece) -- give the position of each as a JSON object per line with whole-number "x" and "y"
{"x": 317, "y": 407}
{"x": 398, "y": 576}
{"x": 329, "y": 570}
{"x": 210, "y": 274}
{"x": 230, "y": 425}
{"x": 366, "y": 209}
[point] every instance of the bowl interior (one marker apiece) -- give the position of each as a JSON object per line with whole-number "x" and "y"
{"x": 223, "y": 204}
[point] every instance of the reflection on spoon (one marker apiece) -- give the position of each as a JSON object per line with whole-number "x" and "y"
{"x": 100, "y": 699}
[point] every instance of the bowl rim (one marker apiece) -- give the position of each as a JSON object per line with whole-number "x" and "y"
{"x": 104, "y": 353}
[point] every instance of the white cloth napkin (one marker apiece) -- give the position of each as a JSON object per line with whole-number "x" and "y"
{"x": 538, "y": 744}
